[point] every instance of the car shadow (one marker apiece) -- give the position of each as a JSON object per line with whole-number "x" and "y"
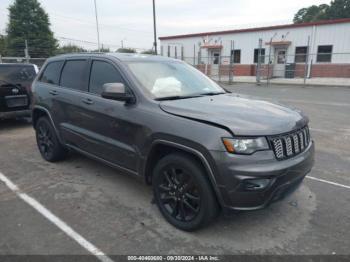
{"x": 8, "y": 124}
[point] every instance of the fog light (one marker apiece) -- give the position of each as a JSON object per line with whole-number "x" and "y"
{"x": 255, "y": 184}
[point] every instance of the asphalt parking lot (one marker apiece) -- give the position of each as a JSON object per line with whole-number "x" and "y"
{"x": 114, "y": 212}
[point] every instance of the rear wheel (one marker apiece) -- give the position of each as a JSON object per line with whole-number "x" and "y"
{"x": 48, "y": 143}
{"x": 183, "y": 193}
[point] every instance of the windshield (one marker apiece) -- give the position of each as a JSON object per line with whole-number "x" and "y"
{"x": 173, "y": 79}
{"x": 13, "y": 75}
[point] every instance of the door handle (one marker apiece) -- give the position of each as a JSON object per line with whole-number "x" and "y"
{"x": 87, "y": 101}
{"x": 53, "y": 92}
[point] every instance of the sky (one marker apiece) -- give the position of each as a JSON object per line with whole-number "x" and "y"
{"x": 131, "y": 22}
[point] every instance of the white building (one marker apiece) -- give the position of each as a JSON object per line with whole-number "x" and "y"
{"x": 324, "y": 46}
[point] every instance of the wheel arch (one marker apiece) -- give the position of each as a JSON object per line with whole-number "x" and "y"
{"x": 161, "y": 148}
{"x": 38, "y": 112}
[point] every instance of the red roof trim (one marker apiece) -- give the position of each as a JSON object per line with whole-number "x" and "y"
{"x": 326, "y": 22}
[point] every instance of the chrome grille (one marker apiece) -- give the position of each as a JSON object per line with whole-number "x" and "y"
{"x": 289, "y": 145}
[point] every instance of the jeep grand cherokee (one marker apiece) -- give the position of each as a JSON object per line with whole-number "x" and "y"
{"x": 201, "y": 148}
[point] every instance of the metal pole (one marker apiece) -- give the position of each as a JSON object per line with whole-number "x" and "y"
{"x": 306, "y": 60}
{"x": 97, "y": 28}
{"x": 155, "y": 27}
{"x": 26, "y": 52}
{"x": 269, "y": 62}
{"x": 194, "y": 55}
{"x": 258, "y": 68}
{"x": 230, "y": 73}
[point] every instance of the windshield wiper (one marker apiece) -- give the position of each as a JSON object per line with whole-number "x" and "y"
{"x": 212, "y": 93}
{"x": 175, "y": 97}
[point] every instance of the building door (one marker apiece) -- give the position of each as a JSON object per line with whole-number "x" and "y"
{"x": 215, "y": 62}
{"x": 279, "y": 67}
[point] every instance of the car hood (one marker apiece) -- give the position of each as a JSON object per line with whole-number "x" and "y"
{"x": 242, "y": 116}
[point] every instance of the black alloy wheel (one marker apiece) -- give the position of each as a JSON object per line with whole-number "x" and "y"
{"x": 183, "y": 192}
{"x": 179, "y": 194}
{"x": 48, "y": 143}
{"x": 45, "y": 142}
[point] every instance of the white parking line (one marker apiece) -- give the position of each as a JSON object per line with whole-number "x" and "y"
{"x": 55, "y": 220}
{"x": 328, "y": 182}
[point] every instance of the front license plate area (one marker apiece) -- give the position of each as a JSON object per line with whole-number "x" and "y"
{"x": 16, "y": 101}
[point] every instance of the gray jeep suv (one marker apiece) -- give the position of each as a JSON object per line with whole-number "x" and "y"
{"x": 201, "y": 148}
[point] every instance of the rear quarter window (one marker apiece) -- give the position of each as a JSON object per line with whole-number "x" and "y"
{"x": 51, "y": 73}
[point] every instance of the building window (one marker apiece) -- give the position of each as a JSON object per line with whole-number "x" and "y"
{"x": 236, "y": 54}
{"x": 300, "y": 54}
{"x": 324, "y": 53}
{"x": 262, "y": 55}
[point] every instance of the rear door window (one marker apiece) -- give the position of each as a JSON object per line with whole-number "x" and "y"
{"x": 51, "y": 74}
{"x": 73, "y": 75}
{"x": 102, "y": 73}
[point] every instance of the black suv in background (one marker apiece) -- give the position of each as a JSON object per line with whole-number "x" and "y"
{"x": 201, "y": 148}
{"x": 15, "y": 84}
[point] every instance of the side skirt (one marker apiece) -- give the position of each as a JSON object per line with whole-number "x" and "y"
{"x": 89, "y": 155}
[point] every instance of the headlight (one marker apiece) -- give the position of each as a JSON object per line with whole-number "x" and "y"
{"x": 245, "y": 145}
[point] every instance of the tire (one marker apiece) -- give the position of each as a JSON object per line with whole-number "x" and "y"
{"x": 49, "y": 146}
{"x": 183, "y": 193}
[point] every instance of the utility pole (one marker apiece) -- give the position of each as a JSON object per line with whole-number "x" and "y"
{"x": 26, "y": 52}
{"x": 258, "y": 68}
{"x": 97, "y": 27}
{"x": 155, "y": 28}
{"x": 269, "y": 62}
{"x": 122, "y": 41}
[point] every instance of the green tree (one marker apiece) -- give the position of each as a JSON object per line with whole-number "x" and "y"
{"x": 126, "y": 50}
{"x": 148, "y": 52}
{"x": 311, "y": 14}
{"x": 336, "y": 10}
{"x": 29, "y": 21}
{"x": 70, "y": 48}
{"x": 102, "y": 50}
{"x": 3, "y": 45}
{"x": 339, "y": 9}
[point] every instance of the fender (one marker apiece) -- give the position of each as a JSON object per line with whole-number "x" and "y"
{"x": 49, "y": 115}
{"x": 197, "y": 153}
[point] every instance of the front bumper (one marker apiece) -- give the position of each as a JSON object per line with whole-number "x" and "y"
{"x": 14, "y": 114}
{"x": 283, "y": 176}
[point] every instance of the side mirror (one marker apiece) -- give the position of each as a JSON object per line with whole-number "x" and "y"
{"x": 116, "y": 91}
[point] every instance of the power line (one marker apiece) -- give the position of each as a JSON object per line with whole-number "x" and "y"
{"x": 95, "y": 44}
{"x": 85, "y": 22}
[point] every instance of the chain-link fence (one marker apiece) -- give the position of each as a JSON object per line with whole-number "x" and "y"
{"x": 37, "y": 61}
{"x": 279, "y": 68}
{"x": 280, "y": 64}
{"x": 275, "y": 67}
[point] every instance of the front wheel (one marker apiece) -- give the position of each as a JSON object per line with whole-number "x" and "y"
{"x": 183, "y": 193}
